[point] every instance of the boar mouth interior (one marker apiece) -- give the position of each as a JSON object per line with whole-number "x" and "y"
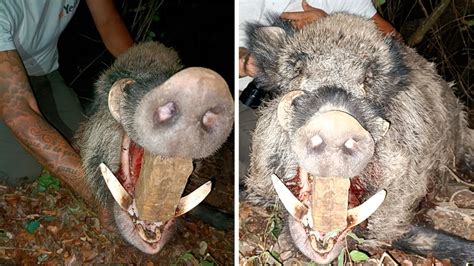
{"x": 149, "y": 188}
{"x": 325, "y": 202}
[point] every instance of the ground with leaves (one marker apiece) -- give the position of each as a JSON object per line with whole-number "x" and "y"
{"x": 42, "y": 222}
{"x": 51, "y": 226}
{"x": 263, "y": 237}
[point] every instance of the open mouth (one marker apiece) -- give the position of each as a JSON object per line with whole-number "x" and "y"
{"x": 148, "y": 189}
{"x": 325, "y": 208}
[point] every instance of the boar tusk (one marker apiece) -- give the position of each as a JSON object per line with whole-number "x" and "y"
{"x": 358, "y": 214}
{"x": 115, "y": 96}
{"x": 190, "y": 201}
{"x": 284, "y": 107}
{"x": 120, "y": 195}
{"x": 297, "y": 209}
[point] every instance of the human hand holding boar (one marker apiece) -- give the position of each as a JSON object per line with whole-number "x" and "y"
{"x": 302, "y": 18}
{"x": 247, "y": 63}
{"x": 247, "y": 66}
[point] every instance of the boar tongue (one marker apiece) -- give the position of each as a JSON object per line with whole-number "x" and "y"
{"x": 329, "y": 203}
{"x": 160, "y": 185}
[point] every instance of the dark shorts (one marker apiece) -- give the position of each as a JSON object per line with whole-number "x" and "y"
{"x": 61, "y": 108}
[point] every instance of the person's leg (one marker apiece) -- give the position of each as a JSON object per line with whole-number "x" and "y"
{"x": 17, "y": 166}
{"x": 58, "y": 103}
{"x": 247, "y": 122}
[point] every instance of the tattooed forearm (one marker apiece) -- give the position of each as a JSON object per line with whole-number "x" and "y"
{"x": 19, "y": 111}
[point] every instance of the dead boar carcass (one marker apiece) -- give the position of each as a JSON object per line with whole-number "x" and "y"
{"x": 358, "y": 125}
{"x": 149, "y": 121}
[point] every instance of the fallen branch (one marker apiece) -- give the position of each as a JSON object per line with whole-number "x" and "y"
{"x": 17, "y": 248}
{"x": 457, "y": 178}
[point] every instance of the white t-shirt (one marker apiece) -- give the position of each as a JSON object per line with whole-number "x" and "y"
{"x": 256, "y": 10}
{"x": 33, "y": 27}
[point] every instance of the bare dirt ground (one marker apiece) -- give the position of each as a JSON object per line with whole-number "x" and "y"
{"x": 263, "y": 239}
{"x": 43, "y": 223}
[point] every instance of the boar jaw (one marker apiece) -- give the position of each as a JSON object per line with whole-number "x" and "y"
{"x": 311, "y": 230}
{"x": 147, "y": 235}
{"x": 131, "y": 232}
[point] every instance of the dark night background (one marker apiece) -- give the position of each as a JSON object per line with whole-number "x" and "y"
{"x": 202, "y": 32}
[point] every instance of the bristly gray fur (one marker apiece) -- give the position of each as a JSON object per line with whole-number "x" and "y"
{"x": 428, "y": 126}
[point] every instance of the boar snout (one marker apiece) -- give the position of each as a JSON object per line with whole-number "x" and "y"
{"x": 334, "y": 143}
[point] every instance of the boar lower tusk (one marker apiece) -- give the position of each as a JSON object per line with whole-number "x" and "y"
{"x": 291, "y": 203}
{"x": 358, "y": 214}
{"x": 190, "y": 201}
{"x": 120, "y": 195}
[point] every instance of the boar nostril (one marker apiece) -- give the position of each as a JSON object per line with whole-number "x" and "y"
{"x": 316, "y": 144}
{"x": 350, "y": 143}
{"x": 210, "y": 117}
{"x": 316, "y": 141}
{"x": 165, "y": 113}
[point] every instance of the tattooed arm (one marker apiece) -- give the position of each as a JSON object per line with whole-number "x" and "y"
{"x": 20, "y": 112}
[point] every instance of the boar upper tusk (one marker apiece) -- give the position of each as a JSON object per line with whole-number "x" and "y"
{"x": 358, "y": 214}
{"x": 116, "y": 95}
{"x": 284, "y": 107}
{"x": 291, "y": 203}
{"x": 190, "y": 201}
{"x": 120, "y": 195}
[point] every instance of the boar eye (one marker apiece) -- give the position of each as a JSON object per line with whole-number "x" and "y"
{"x": 294, "y": 70}
{"x": 296, "y": 64}
{"x": 368, "y": 77}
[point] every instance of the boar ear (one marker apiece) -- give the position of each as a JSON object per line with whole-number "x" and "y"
{"x": 115, "y": 96}
{"x": 272, "y": 32}
{"x": 264, "y": 44}
{"x": 265, "y": 41}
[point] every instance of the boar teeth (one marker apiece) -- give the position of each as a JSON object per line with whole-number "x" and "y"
{"x": 358, "y": 214}
{"x": 321, "y": 245}
{"x": 149, "y": 236}
{"x": 190, "y": 201}
{"x": 297, "y": 209}
{"x": 120, "y": 195}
